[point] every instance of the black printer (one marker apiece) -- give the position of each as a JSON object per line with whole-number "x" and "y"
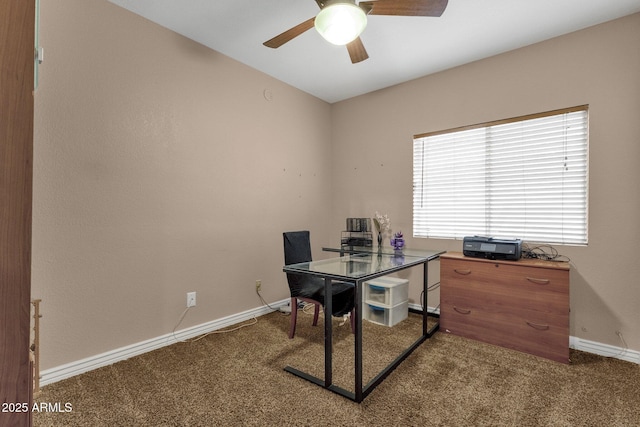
{"x": 490, "y": 248}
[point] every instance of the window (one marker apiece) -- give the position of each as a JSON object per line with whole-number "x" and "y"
{"x": 518, "y": 178}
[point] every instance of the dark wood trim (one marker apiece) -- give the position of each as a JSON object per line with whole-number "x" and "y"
{"x": 504, "y": 121}
{"x": 17, "y": 21}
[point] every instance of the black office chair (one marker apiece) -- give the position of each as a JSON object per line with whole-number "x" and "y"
{"x": 297, "y": 249}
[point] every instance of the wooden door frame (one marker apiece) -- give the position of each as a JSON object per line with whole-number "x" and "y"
{"x": 17, "y": 25}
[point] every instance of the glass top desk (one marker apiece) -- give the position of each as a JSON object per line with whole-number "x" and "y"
{"x": 385, "y": 251}
{"x": 358, "y": 265}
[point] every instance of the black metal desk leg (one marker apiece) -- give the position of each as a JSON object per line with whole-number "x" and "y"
{"x": 328, "y": 333}
{"x": 358, "y": 341}
{"x": 425, "y": 289}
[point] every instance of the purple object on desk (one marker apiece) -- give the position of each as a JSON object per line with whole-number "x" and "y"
{"x": 397, "y": 241}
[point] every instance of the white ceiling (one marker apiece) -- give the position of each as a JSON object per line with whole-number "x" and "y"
{"x": 399, "y": 48}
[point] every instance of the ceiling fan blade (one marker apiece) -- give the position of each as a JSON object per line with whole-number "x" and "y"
{"x": 357, "y": 52}
{"x": 290, "y": 34}
{"x": 406, "y": 7}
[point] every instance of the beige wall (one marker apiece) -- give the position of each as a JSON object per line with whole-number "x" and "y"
{"x": 599, "y": 66}
{"x": 160, "y": 169}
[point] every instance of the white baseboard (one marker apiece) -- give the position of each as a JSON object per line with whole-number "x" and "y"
{"x": 430, "y": 310}
{"x": 604, "y": 350}
{"x": 68, "y": 370}
{"x": 59, "y": 373}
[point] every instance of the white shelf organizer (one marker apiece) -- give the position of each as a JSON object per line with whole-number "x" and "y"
{"x": 386, "y": 300}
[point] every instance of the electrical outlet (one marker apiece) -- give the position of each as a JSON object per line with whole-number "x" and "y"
{"x": 191, "y": 299}
{"x": 258, "y": 285}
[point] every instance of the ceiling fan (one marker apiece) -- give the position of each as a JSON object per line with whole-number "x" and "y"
{"x": 334, "y": 13}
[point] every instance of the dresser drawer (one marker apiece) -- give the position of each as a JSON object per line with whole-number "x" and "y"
{"x": 529, "y": 288}
{"x": 529, "y": 331}
{"x": 499, "y": 304}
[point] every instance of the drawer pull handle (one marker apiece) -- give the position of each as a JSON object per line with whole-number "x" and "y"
{"x": 538, "y": 281}
{"x": 538, "y": 326}
{"x": 461, "y": 310}
{"x": 463, "y": 272}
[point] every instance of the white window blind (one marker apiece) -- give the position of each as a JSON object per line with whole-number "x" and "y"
{"x": 519, "y": 178}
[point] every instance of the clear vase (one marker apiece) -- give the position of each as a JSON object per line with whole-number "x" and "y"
{"x": 379, "y": 239}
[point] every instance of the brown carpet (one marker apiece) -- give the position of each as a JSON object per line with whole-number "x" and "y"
{"x": 237, "y": 379}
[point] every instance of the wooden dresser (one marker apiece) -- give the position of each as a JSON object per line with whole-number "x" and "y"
{"x": 522, "y": 305}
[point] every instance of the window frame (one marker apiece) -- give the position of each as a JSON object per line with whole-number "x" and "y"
{"x": 420, "y": 230}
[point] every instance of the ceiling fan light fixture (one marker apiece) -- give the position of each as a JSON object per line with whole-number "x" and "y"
{"x": 341, "y": 22}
